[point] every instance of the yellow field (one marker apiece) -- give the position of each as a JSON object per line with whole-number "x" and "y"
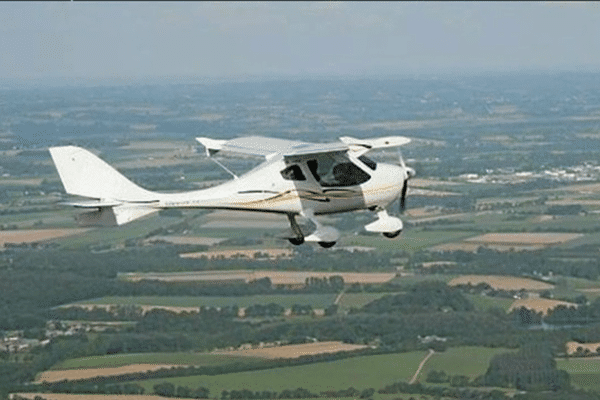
{"x": 277, "y": 277}
{"x": 510, "y": 241}
{"x": 26, "y": 181}
{"x": 572, "y": 347}
{"x": 295, "y": 350}
{"x": 288, "y": 351}
{"x": 499, "y": 282}
{"x": 145, "y": 308}
{"x": 545, "y": 239}
{"x": 539, "y": 304}
{"x": 72, "y": 374}
{"x": 37, "y": 235}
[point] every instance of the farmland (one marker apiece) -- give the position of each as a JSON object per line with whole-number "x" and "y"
{"x": 584, "y": 372}
{"x": 169, "y": 289}
{"x": 539, "y": 305}
{"x": 189, "y": 303}
{"x": 276, "y": 277}
{"x": 37, "y": 235}
{"x": 501, "y": 282}
{"x": 510, "y": 241}
{"x": 359, "y": 372}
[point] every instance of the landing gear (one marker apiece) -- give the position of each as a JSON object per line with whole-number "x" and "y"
{"x": 325, "y": 236}
{"x": 327, "y": 245}
{"x": 297, "y": 241}
{"x": 391, "y": 235}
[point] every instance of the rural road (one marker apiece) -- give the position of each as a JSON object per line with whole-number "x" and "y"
{"x": 416, "y": 375}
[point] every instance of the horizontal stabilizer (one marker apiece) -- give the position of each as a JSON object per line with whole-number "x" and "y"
{"x": 111, "y": 216}
{"x": 376, "y": 143}
{"x": 91, "y": 204}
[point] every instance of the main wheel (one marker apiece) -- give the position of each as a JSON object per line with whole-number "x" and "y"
{"x": 297, "y": 241}
{"x": 326, "y": 244}
{"x": 391, "y": 235}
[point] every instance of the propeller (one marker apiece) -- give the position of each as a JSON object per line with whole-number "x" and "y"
{"x": 408, "y": 173}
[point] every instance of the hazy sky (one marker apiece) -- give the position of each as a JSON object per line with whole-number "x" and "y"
{"x": 138, "y": 40}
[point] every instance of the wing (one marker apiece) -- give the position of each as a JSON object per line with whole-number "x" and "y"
{"x": 268, "y": 147}
{"x": 271, "y": 147}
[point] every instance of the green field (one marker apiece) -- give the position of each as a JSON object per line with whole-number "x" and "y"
{"x": 469, "y": 361}
{"x": 358, "y": 372}
{"x": 358, "y": 300}
{"x": 485, "y": 302}
{"x": 180, "y": 358}
{"x": 318, "y": 301}
{"x": 584, "y": 372}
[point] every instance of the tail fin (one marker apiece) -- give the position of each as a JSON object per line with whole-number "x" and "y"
{"x": 84, "y": 174}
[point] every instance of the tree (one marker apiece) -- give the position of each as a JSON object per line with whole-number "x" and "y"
{"x": 165, "y": 389}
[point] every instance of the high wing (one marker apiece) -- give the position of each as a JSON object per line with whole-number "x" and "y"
{"x": 271, "y": 147}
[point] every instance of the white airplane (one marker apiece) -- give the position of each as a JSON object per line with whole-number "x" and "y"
{"x": 295, "y": 179}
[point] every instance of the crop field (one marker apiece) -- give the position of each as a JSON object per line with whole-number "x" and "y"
{"x": 277, "y": 277}
{"x": 65, "y": 396}
{"x": 539, "y": 304}
{"x": 314, "y": 300}
{"x": 411, "y": 240}
{"x": 585, "y": 372}
{"x": 501, "y": 282}
{"x": 294, "y": 350}
{"x": 37, "y": 235}
{"x": 469, "y": 361}
{"x": 486, "y": 302}
{"x": 74, "y": 374}
{"x": 357, "y": 300}
{"x": 544, "y": 239}
{"x": 358, "y": 372}
{"x": 573, "y": 346}
{"x": 177, "y": 358}
{"x": 510, "y": 241}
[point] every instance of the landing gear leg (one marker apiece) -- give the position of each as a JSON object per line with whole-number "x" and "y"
{"x": 299, "y": 239}
{"x": 325, "y": 236}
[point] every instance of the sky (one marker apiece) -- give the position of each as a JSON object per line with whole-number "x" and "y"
{"x": 144, "y": 40}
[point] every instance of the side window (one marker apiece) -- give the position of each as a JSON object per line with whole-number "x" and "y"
{"x": 293, "y": 173}
{"x": 331, "y": 173}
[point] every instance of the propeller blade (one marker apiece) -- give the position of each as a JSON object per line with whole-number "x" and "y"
{"x": 403, "y": 196}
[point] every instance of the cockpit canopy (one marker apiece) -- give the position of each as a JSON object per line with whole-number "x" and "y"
{"x": 330, "y": 170}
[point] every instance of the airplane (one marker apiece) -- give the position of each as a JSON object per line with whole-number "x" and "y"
{"x": 296, "y": 179}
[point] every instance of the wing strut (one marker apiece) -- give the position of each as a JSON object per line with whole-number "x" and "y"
{"x": 223, "y": 166}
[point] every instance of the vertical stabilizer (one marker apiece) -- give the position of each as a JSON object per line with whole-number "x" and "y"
{"x": 84, "y": 174}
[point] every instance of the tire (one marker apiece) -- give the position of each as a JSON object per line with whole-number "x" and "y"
{"x": 391, "y": 235}
{"x": 327, "y": 245}
{"x": 296, "y": 241}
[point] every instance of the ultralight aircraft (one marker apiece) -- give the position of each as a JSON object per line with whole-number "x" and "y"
{"x": 296, "y": 179}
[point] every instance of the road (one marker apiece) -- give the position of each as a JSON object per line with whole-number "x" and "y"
{"x": 421, "y": 365}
